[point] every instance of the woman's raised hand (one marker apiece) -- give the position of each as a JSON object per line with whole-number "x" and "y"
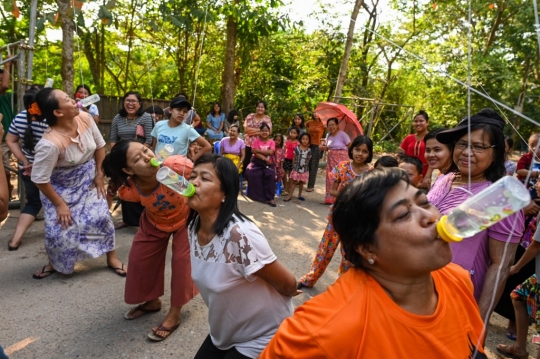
{"x": 64, "y": 215}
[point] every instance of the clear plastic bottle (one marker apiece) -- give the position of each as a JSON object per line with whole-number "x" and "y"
{"x": 49, "y": 82}
{"x": 162, "y": 155}
{"x": 87, "y": 101}
{"x": 175, "y": 182}
{"x": 503, "y": 198}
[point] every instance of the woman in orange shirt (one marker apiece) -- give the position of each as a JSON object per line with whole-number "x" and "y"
{"x": 403, "y": 298}
{"x": 165, "y": 215}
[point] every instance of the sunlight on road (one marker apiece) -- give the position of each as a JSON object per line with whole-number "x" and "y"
{"x": 20, "y": 345}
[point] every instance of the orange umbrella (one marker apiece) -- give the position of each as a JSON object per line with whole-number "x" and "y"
{"x": 347, "y": 120}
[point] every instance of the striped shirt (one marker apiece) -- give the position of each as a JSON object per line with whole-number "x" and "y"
{"x": 123, "y": 128}
{"x": 18, "y": 128}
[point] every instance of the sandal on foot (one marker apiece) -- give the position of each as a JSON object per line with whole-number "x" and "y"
{"x": 286, "y": 199}
{"x": 154, "y": 336}
{"x": 272, "y": 203}
{"x": 511, "y": 335}
{"x": 120, "y": 225}
{"x": 116, "y": 270}
{"x": 44, "y": 273}
{"x": 310, "y": 189}
{"x": 301, "y": 198}
{"x": 139, "y": 311}
{"x": 509, "y": 351}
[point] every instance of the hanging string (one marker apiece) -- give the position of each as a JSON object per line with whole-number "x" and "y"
{"x": 148, "y": 72}
{"x": 200, "y": 55}
{"x": 78, "y": 41}
{"x": 446, "y": 74}
{"x": 469, "y": 71}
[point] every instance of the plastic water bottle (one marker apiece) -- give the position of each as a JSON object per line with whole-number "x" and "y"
{"x": 503, "y": 198}
{"x": 162, "y": 155}
{"x": 49, "y": 82}
{"x": 175, "y": 182}
{"x": 87, "y": 101}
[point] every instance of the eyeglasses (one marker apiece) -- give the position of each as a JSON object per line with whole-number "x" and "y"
{"x": 475, "y": 148}
{"x": 131, "y": 101}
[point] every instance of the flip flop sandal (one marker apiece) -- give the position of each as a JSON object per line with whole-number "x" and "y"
{"x": 120, "y": 225}
{"x": 286, "y": 200}
{"x": 43, "y": 271}
{"x": 155, "y": 337}
{"x": 301, "y": 198}
{"x": 130, "y": 315}
{"x": 508, "y": 350}
{"x": 511, "y": 335}
{"x": 310, "y": 189}
{"x": 118, "y": 269}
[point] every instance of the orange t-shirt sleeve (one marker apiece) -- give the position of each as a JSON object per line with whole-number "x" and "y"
{"x": 129, "y": 194}
{"x": 292, "y": 340}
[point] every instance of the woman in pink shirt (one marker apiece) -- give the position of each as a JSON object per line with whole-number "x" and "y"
{"x": 480, "y": 162}
{"x": 337, "y": 144}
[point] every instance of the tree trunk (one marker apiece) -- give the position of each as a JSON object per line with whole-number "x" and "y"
{"x": 347, "y": 53}
{"x": 64, "y": 10}
{"x": 228, "y": 88}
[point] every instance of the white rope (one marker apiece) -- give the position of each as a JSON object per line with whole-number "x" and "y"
{"x": 148, "y": 70}
{"x": 469, "y": 71}
{"x": 443, "y": 72}
{"x": 200, "y": 57}
{"x": 78, "y": 40}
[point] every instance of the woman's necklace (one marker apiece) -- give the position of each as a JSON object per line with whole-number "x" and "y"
{"x": 131, "y": 123}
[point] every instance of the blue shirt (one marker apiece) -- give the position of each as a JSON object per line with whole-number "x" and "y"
{"x": 179, "y": 137}
{"x": 215, "y": 122}
{"x": 18, "y": 128}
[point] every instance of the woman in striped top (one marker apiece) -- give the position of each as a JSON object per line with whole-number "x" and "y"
{"x": 25, "y": 126}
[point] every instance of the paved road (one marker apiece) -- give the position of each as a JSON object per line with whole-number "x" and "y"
{"x": 81, "y": 315}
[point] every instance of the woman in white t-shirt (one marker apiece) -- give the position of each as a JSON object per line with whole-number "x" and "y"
{"x": 247, "y": 290}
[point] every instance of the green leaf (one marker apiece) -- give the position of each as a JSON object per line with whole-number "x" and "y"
{"x": 176, "y": 22}
{"x": 8, "y": 6}
{"x": 80, "y": 20}
{"x": 40, "y": 24}
{"x": 110, "y": 4}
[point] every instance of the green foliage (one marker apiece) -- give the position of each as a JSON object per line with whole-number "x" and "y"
{"x": 162, "y": 47}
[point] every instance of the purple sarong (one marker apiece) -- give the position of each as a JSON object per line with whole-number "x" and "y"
{"x": 92, "y": 232}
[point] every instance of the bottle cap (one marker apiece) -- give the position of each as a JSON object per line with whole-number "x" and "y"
{"x": 443, "y": 230}
{"x": 154, "y": 162}
{"x": 189, "y": 191}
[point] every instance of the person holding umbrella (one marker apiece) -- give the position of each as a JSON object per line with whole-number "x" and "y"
{"x": 337, "y": 144}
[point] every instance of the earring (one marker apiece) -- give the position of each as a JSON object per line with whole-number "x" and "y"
{"x": 223, "y": 200}
{"x": 371, "y": 261}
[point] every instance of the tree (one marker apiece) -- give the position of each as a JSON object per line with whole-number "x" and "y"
{"x": 347, "y": 52}
{"x": 65, "y": 16}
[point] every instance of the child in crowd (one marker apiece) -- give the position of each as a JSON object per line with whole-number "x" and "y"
{"x": 413, "y": 166}
{"x": 508, "y": 148}
{"x": 300, "y": 171}
{"x": 177, "y": 133}
{"x": 193, "y": 150}
{"x": 360, "y": 153}
{"x": 290, "y": 145}
{"x": 524, "y": 163}
{"x": 156, "y": 112}
{"x": 386, "y": 162}
{"x": 525, "y": 299}
{"x": 279, "y": 156}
